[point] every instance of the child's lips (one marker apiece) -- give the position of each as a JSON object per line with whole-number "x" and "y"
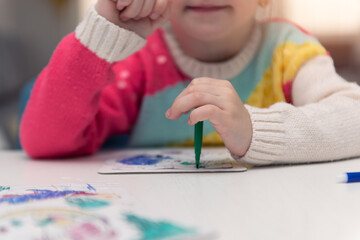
{"x": 206, "y": 9}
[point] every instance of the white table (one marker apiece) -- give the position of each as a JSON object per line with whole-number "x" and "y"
{"x": 280, "y": 202}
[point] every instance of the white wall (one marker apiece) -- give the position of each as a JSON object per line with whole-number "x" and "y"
{"x": 326, "y": 17}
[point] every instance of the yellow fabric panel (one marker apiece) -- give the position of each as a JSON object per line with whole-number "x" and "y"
{"x": 287, "y": 60}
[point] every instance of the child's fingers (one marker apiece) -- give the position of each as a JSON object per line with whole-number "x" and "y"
{"x": 215, "y": 89}
{"x": 132, "y": 10}
{"x": 159, "y": 9}
{"x": 207, "y": 112}
{"x": 121, "y": 4}
{"x": 147, "y": 8}
{"x": 163, "y": 18}
{"x": 212, "y": 81}
{"x": 191, "y": 101}
{"x": 201, "y": 92}
{"x": 194, "y": 89}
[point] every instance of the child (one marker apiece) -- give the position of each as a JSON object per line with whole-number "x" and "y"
{"x": 269, "y": 91}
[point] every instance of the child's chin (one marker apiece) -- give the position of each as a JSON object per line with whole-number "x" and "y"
{"x": 207, "y": 33}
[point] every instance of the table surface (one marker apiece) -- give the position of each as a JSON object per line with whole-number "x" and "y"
{"x": 278, "y": 202}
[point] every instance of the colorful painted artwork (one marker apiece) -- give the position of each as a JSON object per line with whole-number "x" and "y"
{"x": 170, "y": 160}
{"x": 81, "y": 212}
{"x": 2, "y": 188}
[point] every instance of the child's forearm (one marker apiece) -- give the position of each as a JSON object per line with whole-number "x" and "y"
{"x": 322, "y": 126}
{"x": 64, "y": 98}
{"x": 68, "y": 113}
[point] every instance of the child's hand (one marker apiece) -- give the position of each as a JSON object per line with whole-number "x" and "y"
{"x": 217, "y": 101}
{"x": 140, "y": 16}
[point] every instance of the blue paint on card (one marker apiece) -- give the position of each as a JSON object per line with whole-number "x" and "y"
{"x": 143, "y": 160}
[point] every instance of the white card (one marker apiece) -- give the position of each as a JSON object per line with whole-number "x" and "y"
{"x": 170, "y": 161}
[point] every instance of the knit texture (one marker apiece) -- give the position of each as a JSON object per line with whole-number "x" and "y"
{"x": 297, "y": 102}
{"x": 105, "y": 39}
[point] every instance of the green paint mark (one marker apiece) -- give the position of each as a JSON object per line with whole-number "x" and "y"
{"x": 4, "y": 188}
{"x": 86, "y": 203}
{"x": 192, "y": 163}
{"x": 16, "y": 223}
{"x": 157, "y": 230}
{"x": 46, "y": 221}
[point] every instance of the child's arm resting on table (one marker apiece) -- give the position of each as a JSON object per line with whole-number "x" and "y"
{"x": 322, "y": 125}
{"x": 75, "y": 104}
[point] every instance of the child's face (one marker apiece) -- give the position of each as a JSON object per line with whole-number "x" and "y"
{"x": 211, "y": 19}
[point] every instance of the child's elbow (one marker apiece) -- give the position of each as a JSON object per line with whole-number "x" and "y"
{"x": 40, "y": 145}
{"x": 38, "y": 148}
{"x": 43, "y": 150}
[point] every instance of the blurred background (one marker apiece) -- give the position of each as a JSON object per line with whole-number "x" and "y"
{"x": 31, "y": 29}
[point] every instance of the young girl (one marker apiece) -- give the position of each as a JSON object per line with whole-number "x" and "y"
{"x": 269, "y": 91}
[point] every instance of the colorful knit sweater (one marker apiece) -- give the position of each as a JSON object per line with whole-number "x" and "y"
{"x": 102, "y": 81}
